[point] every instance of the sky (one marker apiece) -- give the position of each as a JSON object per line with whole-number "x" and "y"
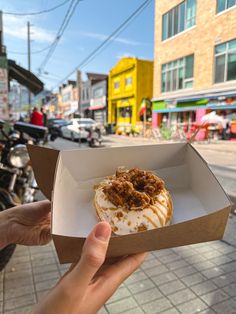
{"x": 91, "y": 23}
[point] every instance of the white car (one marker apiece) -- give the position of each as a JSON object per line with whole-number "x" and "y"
{"x": 76, "y": 128}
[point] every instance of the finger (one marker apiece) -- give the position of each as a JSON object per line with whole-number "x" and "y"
{"x": 93, "y": 256}
{"x": 45, "y": 235}
{"x": 113, "y": 276}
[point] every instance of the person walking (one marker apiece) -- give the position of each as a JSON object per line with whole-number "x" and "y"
{"x": 36, "y": 117}
{"x": 45, "y": 116}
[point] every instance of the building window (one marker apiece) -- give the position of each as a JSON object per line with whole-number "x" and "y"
{"x": 98, "y": 92}
{"x": 116, "y": 85}
{"x": 225, "y": 62}
{"x": 225, "y": 4}
{"x": 128, "y": 81}
{"x": 177, "y": 74}
{"x": 125, "y": 112}
{"x": 179, "y": 18}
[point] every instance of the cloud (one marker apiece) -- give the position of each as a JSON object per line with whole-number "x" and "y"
{"x": 17, "y": 27}
{"x": 102, "y": 37}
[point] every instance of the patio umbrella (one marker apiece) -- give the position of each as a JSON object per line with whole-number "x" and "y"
{"x": 212, "y": 118}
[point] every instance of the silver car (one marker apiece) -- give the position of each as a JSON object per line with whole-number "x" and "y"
{"x": 76, "y": 128}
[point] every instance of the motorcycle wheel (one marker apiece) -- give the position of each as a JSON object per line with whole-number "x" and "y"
{"x": 7, "y": 252}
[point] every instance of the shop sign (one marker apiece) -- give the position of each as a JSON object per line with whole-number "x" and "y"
{"x": 3, "y": 91}
{"x": 98, "y": 102}
{"x": 171, "y": 104}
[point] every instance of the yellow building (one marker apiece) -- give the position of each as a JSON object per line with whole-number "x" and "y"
{"x": 130, "y": 81}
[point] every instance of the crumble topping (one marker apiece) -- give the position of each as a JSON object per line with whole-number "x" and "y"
{"x": 133, "y": 189}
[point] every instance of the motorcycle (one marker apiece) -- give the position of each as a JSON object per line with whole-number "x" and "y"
{"x": 94, "y": 136}
{"x": 17, "y": 182}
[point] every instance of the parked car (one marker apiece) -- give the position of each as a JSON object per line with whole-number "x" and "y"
{"x": 54, "y": 127}
{"x": 76, "y": 128}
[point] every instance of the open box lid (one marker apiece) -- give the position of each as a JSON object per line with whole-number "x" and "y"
{"x": 201, "y": 206}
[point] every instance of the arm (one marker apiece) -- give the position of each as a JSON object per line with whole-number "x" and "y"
{"x": 88, "y": 284}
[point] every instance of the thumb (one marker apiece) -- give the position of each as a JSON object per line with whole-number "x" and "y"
{"x": 93, "y": 256}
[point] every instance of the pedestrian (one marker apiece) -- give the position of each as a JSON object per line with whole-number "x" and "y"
{"x": 87, "y": 285}
{"x": 45, "y": 117}
{"x": 36, "y": 117}
{"x": 225, "y": 125}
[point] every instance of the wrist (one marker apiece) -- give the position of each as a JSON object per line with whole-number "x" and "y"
{"x": 4, "y": 227}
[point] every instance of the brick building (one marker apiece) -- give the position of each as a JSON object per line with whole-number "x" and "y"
{"x": 195, "y": 58}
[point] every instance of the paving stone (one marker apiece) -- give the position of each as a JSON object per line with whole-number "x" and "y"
{"x": 141, "y": 286}
{"x": 193, "y": 279}
{"x": 212, "y": 254}
{"x": 204, "y": 249}
{"x": 121, "y": 293}
{"x": 18, "y": 274}
{"x": 46, "y": 276}
{"x": 135, "y": 277}
{"x": 38, "y": 255}
{"x": 151, "y": 263}
{"x": 213, "y": 272}
{"x": 157, "y": 306}
{"x": 15, "y": 303}
{"x": 204, "y": 265}
{"x": 17, "y": 267}
{"x": 22, "y": 282}
{"x": 45, "y": 285}
{"x": 214, "y": 297}
{"x": 171, "y": 311}
{"x": 19, "y": 260}
{"x": 147, "y": 296}
{"x": 22, "y": 310}
{"x": 41, "y": 294}
{"x": 162, "y": 252}
{"x": 171, "y": 287}
{"x": 44, "y": 269}
{"x": 121, "y": 306}
{"x": 177, "y": 264}
{"x": 1, "y": 296}
{"x": 18, "y": 292}
{"x": 163, "y": 278}
{"x": 232, "y": 255}
{"x": 229, "y": 267}
{"x": 42, "y": 261}
{"x": 156, "y": 270}
{"x": 1, "y": 307}
{"x": 204, "y": 287}
{"x": 194, "y": 259}
{"x": 208, "y": 311}
{"x": 169, "y": 258}
{"x": 220, "y": 260}
{"x": 193, "y": 306}
{"x": 225, "y": 279}
{"x": 228, "y": 307}
{"x": 136, "y": 310}
{"x": 150, "y": 256}
{"x": 102, "y": 311}
{"x": 226, "y": 249}
{"x": 181, "y": 296}
{"x": 231, "y": 289}
{"x": 185, "y": 271}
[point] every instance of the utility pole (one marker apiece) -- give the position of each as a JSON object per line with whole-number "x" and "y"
{"x": 29, "y": 58}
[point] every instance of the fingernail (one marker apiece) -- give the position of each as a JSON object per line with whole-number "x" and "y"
{"x": 102, "y": 231}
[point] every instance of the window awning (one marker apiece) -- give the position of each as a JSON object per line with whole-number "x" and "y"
{"x": 194, "y": 108}
{"x": 24, "y": 77}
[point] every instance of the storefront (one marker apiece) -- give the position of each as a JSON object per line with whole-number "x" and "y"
{"x": 187, "y": 113}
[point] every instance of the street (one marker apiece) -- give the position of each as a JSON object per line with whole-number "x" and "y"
{"x": 197, "y": 278}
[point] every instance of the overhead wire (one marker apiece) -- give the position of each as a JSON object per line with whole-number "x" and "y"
{"x": 32, "y": 52}
{"x": 60, "y": 32}
{"x": 37, "y": 12}
{"x": 107, "y": 41}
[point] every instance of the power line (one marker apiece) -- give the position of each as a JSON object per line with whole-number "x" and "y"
{"x": 60, "y": 32}
{"x": 108, "y": 40}
{"x": 32, "y": 52}
{"x": 38, "y": 12}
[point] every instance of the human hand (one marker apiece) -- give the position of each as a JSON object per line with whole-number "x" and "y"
{"x": 27, "y": 224}
{"x": 88, "y": 284}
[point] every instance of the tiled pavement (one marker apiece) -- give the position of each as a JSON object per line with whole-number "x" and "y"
{"x": 193, "y": 279}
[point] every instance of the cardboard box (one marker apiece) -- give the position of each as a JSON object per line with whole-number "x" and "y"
{"x": 201, "y": 207}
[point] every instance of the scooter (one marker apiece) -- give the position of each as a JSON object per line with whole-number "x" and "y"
{"x": 94, "y": 137}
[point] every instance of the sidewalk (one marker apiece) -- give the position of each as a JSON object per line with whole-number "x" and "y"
{"x": 193, "y": 279}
